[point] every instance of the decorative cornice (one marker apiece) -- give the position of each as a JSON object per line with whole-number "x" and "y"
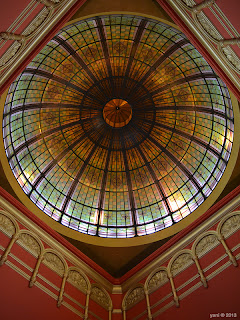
{"x": 191, "y": 289}
{"x": 228, "y": 223}
{"x": 168, "y": 251}
{"x": 41, "y": 286}
{"x": 57, "y": 246}
{"x": 207, "y": 38}
{"x": 165, "y": 254}
{"x": 38, "y": 32}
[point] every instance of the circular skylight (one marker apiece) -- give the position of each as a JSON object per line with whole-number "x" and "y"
{"x": 118, "y": 127}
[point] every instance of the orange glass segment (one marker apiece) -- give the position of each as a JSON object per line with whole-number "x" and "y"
{"x": 117, "y": 113}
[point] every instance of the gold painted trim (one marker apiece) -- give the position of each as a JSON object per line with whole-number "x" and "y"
{"x": 186, "y": 283}
{"x": 18, "y": 260}
{"x": 131, "y": 13}
{"x": 73, "y": 300}
{"x": 160, "y": 311}
{"x": 117, "y": 311}
{"x": 117, "y": 289}
{"x": 169, "y": 295}
{"x": 47, "y": 282}
{"x": 20, "y": 271}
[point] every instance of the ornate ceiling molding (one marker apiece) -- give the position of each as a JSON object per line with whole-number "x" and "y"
{"x": 22, "y": 40}
{"x": 201, "y": 239}
{"x": 213, "y": 34}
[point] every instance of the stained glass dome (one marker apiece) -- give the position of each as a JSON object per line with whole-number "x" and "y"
{"x": 119, "y": 127}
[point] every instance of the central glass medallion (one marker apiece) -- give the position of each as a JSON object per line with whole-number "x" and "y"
{"x": 117, "y": 113}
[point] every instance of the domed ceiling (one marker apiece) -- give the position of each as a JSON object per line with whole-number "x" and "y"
{"x": 118, "y": 127}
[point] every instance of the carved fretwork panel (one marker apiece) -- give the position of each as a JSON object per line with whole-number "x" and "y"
{"x": 100, "y": 297}
{"x": 231, "y": 225}
{"x": 207, "y": 243}
{"x": 54, "y": 262}
{"x": 29, "y": 243}
{"x": 6, "y": 225}
{"x": 208, "y": 26}
{"x": 180, "y": 263}
{"x": 135, "y": 296}
{"x": 77, "y": 280}
{"x": 157, "y": 280}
